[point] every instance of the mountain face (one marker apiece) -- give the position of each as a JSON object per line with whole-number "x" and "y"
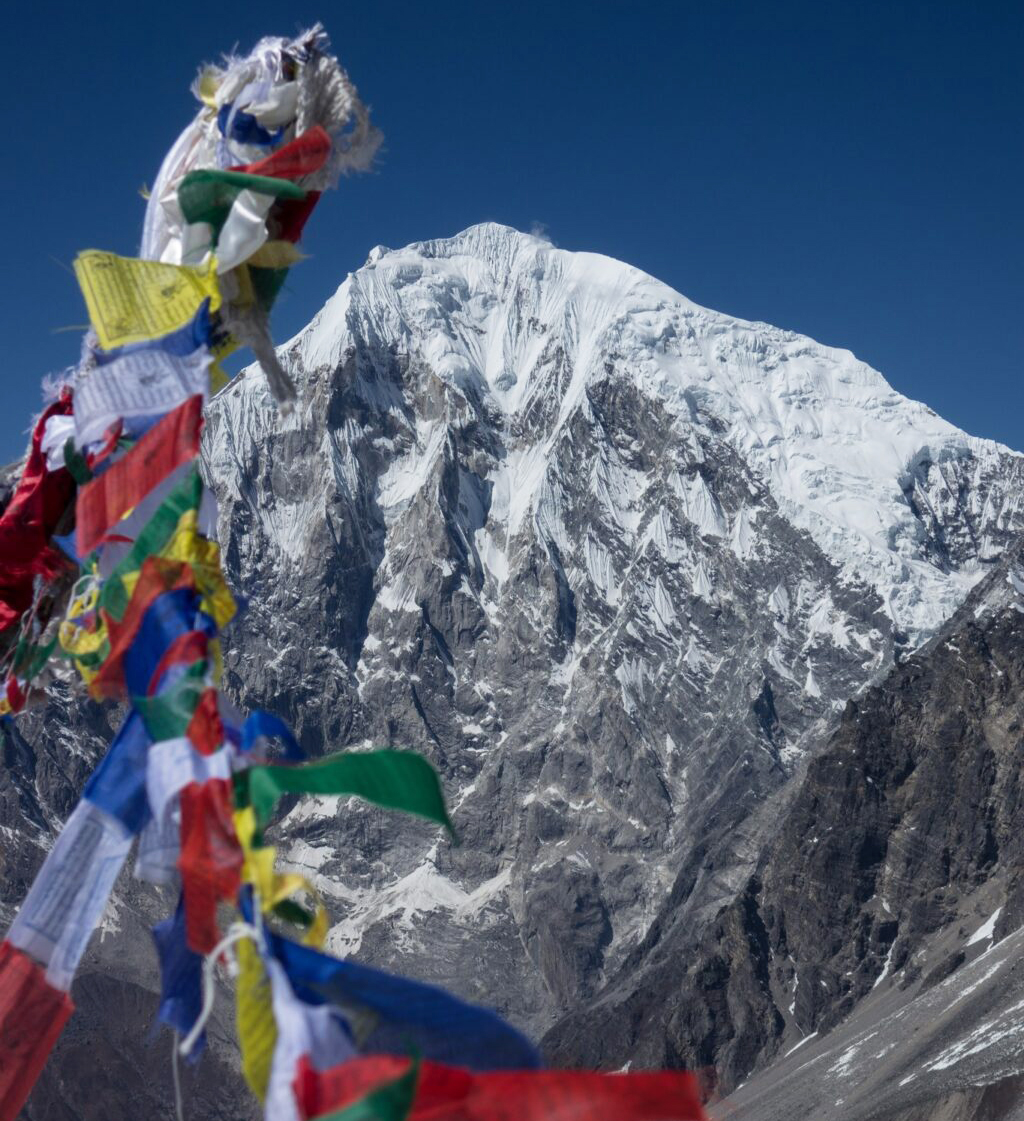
{"x": 611, "y": 560}
{"x": 871, "y": 965}
{"x": 616, "y": 564}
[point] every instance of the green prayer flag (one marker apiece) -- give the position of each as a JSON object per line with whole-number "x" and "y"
{"x": 168, "y": 715}
{"x": 390, "y": 1101}
{"x": 266, "y": 284}
{"x": 155, "y": 535}
{"x": 208, "y": 195}
{"x": 398, "y": 780}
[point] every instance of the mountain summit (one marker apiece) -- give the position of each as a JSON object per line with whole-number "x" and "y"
{"x": 890, "y": 492}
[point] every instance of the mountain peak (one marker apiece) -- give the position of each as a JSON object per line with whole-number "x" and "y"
{"x": 532, "y": 330}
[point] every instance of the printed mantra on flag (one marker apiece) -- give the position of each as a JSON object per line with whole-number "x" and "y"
{"x": 110, "y": 575}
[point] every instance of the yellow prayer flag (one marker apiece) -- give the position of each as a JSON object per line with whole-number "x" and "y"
{"x": 130, "y": 300}
{"x": 188, "y": 545}
{"x": 276, "y": 255}
{"x": 218, "y": 377}
{"x": 254, "y": 1018}
{"x": 273, "y": 887}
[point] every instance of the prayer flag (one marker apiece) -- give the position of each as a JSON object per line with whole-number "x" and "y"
{"x": 447, "y": 1093}
{"x": 398, "y": 1013}
{"x": 130, "y": 300}
{"x": 399, "y": 780}
{"x": 174, "y": 440}
{"x": 32, "y": 1016}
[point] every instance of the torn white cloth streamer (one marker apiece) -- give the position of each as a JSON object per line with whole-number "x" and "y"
{"x": 70, "y": 892}
{"x": 302, "y": 1029}
{"x": 56, "y": 433}
{"x": 144, "y": 383}
{"x": 244, "y": 229}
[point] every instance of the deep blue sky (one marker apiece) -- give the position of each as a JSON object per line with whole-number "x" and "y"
{"x": 849, "y": 170}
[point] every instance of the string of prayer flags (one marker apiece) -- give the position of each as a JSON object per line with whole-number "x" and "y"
{"x": 189, "y": 776}
{"x": 545, "y": 1095}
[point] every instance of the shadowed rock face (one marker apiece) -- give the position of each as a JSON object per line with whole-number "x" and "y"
{"x": 864, "y": 921}
{"x": 613, "y": 562}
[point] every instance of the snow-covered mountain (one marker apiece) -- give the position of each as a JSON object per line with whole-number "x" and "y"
{"x": 613, "y": 561}
{"x": 608, "y": 557}
{"x": 523, "y": 327}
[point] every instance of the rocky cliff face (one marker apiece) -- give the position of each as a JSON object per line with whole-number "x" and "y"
{"x": 612, "y": 561}
{"x": 872, "y": 959}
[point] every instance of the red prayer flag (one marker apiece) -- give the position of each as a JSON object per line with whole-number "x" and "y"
{"x": 205, "y": 729}
{"x": 172, "y": 441}
{"x": 32, "y": 1016}
{"x": 183, "y": 651}
{"x": 447, "y": 1093}
{"x": 211, "y": 859}
{"x": 28, "y": 522}
{"x": 304, "y": 155}
{"x": 288, "y": 217}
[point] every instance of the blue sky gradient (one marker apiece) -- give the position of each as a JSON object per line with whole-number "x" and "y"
{"x": 849, "y": 170}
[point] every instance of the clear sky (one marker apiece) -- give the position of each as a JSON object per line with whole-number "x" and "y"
{"x": 849, "y": 170}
